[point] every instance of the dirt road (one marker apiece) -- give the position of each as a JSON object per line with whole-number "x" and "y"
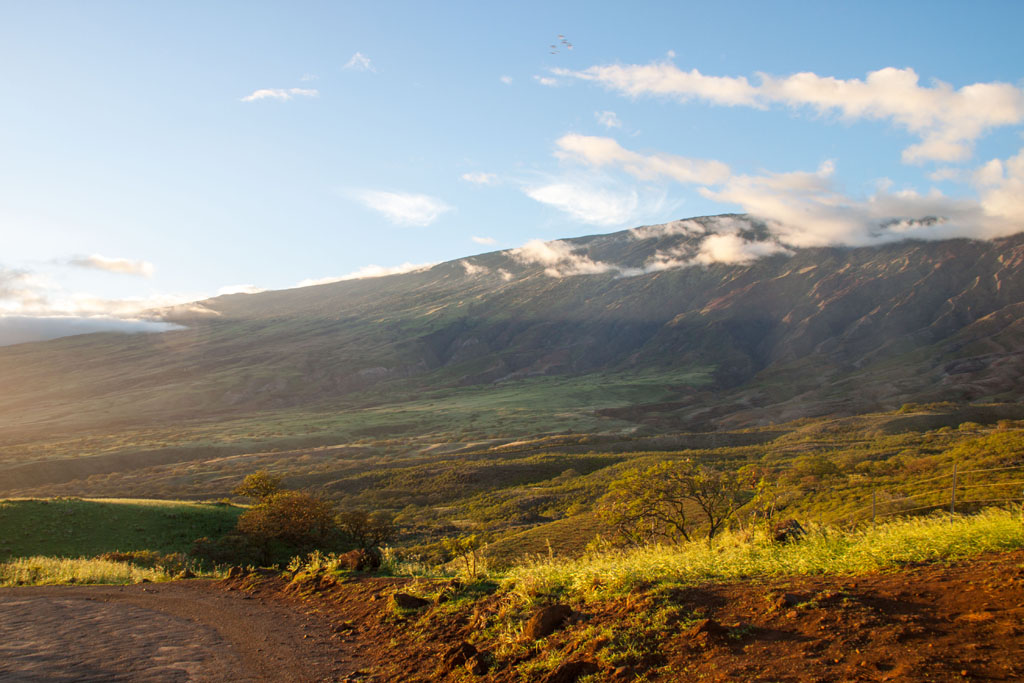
{"x": 179, "y": 631}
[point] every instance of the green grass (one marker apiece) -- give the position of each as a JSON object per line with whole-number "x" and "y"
{"x": 74, "y": 528}
{"x": 50, "y": 571}
{"x": 736, "y": 557}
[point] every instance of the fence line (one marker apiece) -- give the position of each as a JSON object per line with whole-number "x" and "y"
{"x": 956, "y": 492}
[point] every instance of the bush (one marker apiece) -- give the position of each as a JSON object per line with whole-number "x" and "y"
{"x": 289, "y": 523}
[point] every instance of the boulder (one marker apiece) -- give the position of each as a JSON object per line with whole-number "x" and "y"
{"x": 546, "y": 621}
{"x": 569, "y": 672}
{"x": 787, "y": 531}
{"x": 406, "y": 601}
{"x": 359, "y": 559}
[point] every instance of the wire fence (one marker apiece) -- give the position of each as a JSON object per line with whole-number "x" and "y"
{"x": 962, "y": 489}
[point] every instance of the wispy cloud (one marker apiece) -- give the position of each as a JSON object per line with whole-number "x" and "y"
{"x": 586, "y": 203}
{"x": 366, "y": 272}
{"x": 608, "y": 119}
{"x": 280, "y": 94}
{"x": 483, "y": 240}
{"x": 480, "y": 178}
{"x": 947, "y": 120}
{"x": 598, "y": 151}
{"x": 360, "y": 62}
{"x": 114, "y": 265}
{"x": 546, "y": 81}
{"x": 402, "y": 208}
{"x": 507, "y": 80}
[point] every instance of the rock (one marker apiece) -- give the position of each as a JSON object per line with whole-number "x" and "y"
{"x": 406, "y": 601}
{"x": 458, "y": 655}
{"x": 546, "y": 621}
{"x": 359, "y": 560}
{"x": 789, "y": 600}
{"x": 787, "y": 531}
{"x": 448, "y": 591}
{"x": 705, "y": 632}
{"x": 624, "y": 673}
{"x": 569, "y": 671}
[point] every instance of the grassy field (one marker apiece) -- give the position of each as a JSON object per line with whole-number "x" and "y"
{"x": 737, "y": 556}
{"x": 74, "y": 528}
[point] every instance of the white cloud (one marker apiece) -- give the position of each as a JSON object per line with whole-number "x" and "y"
{"x": 507, "y": 80}
{"x": 684, "y": 227}
{"x": 367, "y": 272}
{"x": 733, "y": 249}
{"x": 483, "y": 240}
{"x": 559, "y": 259}
{"x": 474, "y": 269}
{"x": 402, "y": 208}
{"x": 280, "y": 94}
{"x": 114, "y": 265}
{"x": 806, "y": 210}
{"x": 22, "y": 329}
{"x": 608, "y": 119}
{"x": 546, "y": 81}
{"x": 480, "y": 178}
{"x": 1001, "y": 184}
{"x": 947, "y": 120}
{"x": 239, "y": 289}
{"x": 588, "y": 204}
{"x": 598, "y": 151}
{"x": 360, "y": 62}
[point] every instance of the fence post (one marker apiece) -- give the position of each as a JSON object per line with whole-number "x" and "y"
{"x": 872, "y": 508}
{"x": 952, "y": 495}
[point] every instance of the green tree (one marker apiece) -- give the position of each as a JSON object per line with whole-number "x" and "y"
{"x": 259, "y": 485}
{"x": 673, "y": 501}
{"x": 365, "y": 530}
{"x": 288, "y": 522}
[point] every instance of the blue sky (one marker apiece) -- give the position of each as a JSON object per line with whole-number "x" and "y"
{"x": 152, "y": 153}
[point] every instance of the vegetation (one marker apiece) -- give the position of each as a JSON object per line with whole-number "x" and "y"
{"x": 73, "y": 528}
{"x": 742, "y": 555}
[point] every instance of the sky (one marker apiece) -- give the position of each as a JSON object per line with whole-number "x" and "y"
{"x": 161, "y": 152}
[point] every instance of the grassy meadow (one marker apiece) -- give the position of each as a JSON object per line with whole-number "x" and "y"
{"x": 62, "y": 540}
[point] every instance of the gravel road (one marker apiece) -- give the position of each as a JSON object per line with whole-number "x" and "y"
{"x": 180, "y": 631}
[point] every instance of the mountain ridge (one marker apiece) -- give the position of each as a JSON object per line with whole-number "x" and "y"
{"x": 790, "y": 333}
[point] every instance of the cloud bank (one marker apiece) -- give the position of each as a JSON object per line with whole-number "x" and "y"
{"x": 947, "y": 120}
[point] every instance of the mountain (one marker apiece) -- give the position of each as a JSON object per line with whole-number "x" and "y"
{"x": 640, "y": 329}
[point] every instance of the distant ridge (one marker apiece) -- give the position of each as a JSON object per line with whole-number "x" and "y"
{"x": 776, "y": 333}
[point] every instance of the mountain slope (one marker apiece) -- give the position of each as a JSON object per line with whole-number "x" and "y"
{"x": 810, "y": 332}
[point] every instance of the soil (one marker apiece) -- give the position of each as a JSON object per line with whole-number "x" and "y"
{"x": 928, "y": 622}
{"x": 178, "y": 631}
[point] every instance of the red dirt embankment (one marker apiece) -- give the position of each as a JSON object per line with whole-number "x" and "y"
{"x": 934, "y": 622}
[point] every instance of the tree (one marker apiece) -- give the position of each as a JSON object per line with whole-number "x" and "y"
{"x": 259, "y": 485}
{"x": 468, "y": 548}
{"x": 290, "y": 520}
{"x": 672, "y": 501}
{"x": 364, "y": 529}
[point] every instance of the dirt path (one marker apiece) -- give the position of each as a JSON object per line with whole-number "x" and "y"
{"x": 179, "y": 631}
